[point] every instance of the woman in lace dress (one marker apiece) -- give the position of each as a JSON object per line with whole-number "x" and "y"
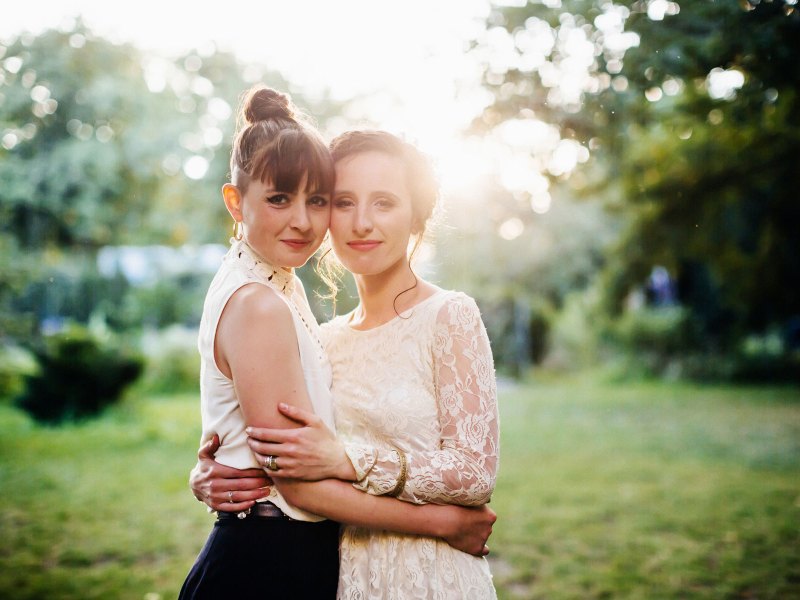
{"x": 413, "y": 383}
{"x": 257, "y": 333}
{"x": 413, "y": 375}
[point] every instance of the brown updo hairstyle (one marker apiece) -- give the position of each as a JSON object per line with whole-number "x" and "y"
{"x": 420, "y": 178}
{"x": 277, "y": 143}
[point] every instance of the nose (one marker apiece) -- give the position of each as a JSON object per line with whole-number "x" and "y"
{"x": 300, "y": 220}
{"x": 362, "y": 221}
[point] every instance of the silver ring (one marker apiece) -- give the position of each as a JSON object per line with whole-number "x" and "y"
{"x": 271, "y": 462}
{"x": 230, "y": 496}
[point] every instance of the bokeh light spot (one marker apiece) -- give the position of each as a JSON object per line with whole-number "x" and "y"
{"x": 195, "y": 167}
{"x": 511, "y": 228}
{"x": 722, "y": 84}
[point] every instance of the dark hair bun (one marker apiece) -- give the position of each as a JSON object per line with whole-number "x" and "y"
{"x": 264, "y": 104}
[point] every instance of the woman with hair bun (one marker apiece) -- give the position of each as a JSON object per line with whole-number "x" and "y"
{"x": 413, "y": 381}
{"x": 260, "y": 347}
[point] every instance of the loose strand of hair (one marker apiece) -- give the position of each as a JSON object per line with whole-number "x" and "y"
{"x": 330, "y": 273}
{"x": 417, "y": 244}
{"x": 394, "y": 302}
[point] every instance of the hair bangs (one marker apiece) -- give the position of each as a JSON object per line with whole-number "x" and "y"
{"x": 295, "y": 154}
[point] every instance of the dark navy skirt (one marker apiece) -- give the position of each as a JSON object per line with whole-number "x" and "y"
{"x": 266, "y": 558}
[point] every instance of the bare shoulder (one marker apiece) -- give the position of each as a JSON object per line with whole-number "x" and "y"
{"x": 257, "y": 301}
{"x": 256, "y": 316}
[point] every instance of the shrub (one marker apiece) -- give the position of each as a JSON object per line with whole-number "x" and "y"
{"x": 78, "y": 376}
{"x": 660, "y": 331}
{"x": 173, "y": 363}
{"x": 575, "y": 338}
{"x": 15, "y": 364}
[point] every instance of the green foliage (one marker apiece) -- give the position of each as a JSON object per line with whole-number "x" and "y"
{"x": 521, "y": 284}
{"x": 662, "y": 331}
{"x": 178, "y": 372}
{"x": 96, "y": 141}
{"x": 661, "y": 342}
{"x": 75, "y": 175}
{"x": 78, "y": 376}
{"x": 15, "y": 364}
{"x": 15, "y": 268}
{"x": 576, "y": 334}
{"x": 177, "y": 300}
{"x": 704, "y": 178}
{"x": 173, "y": 362}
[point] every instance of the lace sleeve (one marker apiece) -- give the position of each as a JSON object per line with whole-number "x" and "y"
{"x": 462, "y": 471}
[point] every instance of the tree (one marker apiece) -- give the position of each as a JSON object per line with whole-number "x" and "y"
{"x": 103, "y": 144}
{"x": 691, "y": 115}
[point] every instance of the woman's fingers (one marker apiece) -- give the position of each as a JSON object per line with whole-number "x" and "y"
{"x": 275, "y": 436}
{"x": 299, "y": 415}
{"x": 235, "y": 500}
{"x": 266, "y": 448}
{"x": 218, "y": 471}
{"x": 251, "y": 484}
{"x": 209, "y": 449}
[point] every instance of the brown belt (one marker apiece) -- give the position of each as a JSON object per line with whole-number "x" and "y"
{"x": 261, "y": 510}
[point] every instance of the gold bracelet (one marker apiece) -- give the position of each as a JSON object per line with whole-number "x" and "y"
{"x": 401, "y": 478}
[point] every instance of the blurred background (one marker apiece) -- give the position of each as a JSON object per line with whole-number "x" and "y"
{"x": 619, "y": 195}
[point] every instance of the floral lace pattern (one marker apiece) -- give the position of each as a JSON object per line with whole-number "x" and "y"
{"x": 423, "y": 383}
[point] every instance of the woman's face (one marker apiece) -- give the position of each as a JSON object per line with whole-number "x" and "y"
{"x": 372, "y": 215}
{"x": 286, "y": 228}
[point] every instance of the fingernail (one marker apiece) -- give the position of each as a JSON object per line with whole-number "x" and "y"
{"x": 248, "y": 430}
{"x": 283, "y": 406}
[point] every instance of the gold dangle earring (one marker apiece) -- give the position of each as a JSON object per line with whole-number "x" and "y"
{"x": 238, "y": 230}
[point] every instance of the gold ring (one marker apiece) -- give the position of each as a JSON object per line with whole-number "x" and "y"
{"x": 271, "y": 462}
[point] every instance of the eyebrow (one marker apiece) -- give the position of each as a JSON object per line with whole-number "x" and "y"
{"x": 372, "y": 194}
{"x": 294, "y": 193}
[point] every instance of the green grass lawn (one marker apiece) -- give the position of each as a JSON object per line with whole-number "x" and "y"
{"x": 605, "y": 491}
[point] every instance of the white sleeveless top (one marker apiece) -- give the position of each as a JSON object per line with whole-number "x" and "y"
{"x": 219, "y": 406}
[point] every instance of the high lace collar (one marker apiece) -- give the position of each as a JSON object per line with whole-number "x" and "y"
{"x": 277, "y": 277}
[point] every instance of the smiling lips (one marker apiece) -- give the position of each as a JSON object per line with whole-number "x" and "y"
{"x": 297, "y": 244}
{"x": 364, "y": 245}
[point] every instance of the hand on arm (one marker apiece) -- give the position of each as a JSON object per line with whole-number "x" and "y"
{"x": 225, "y": 488}
{"x": 310, "y": 452}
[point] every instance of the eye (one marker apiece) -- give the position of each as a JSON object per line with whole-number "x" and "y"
{"x": 279, "y": 199}
{"x": 318, "y": 201}
{"x": 342, "y": 202}
{"x": 384, "y": 202}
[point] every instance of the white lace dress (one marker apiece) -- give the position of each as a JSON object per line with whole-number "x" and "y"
{"x": 424, "y": 383}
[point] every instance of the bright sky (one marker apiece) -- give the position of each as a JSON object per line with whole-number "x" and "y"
{"x": 407, "y": 58}
{"x": 407, "y": 61}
